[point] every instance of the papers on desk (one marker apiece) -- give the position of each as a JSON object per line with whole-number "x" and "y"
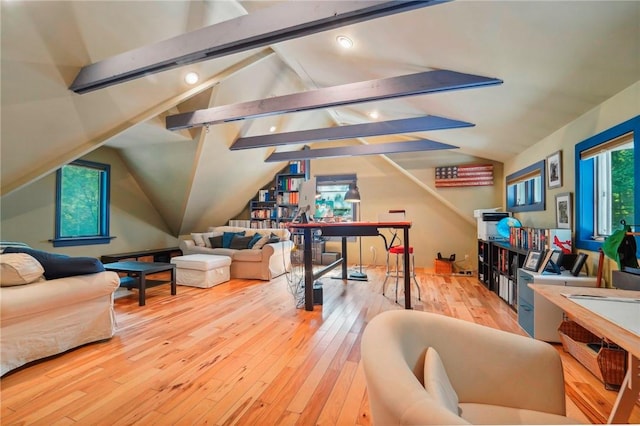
{"x": 623, "y": 311}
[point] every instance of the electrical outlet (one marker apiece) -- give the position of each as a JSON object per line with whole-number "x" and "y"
{"x": 466, "y": 257}
{"x": 372, "y": 249}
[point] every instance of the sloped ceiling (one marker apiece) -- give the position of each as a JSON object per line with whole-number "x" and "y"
{"x": 557, "y": 60}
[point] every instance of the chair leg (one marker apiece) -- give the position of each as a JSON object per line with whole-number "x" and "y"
{"x": 388, "y": 274}
{"x": 413, "y": 274}
{"x": 397, "y": 275}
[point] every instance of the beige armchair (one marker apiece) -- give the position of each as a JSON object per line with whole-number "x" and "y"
{"x": 496, "y": 377}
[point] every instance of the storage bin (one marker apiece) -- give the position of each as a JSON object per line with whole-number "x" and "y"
{"x": 609, "y": 364}
{"x": 444, "y": 266}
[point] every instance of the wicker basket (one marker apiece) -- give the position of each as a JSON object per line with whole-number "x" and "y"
{"x": 609, "y": 364}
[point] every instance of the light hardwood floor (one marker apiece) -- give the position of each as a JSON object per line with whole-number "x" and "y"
{"x": 242, "y": 353}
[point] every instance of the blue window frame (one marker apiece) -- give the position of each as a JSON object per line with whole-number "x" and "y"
{"x": 82, "y": 204}
{"x": 593, "y": 183}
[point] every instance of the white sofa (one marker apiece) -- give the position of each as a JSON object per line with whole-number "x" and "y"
{"x": 264, "y": 263}
{"x": 480, "y": 376}
{"x": 44, "y": 318}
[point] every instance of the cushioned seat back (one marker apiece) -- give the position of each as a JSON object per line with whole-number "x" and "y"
{"x": 283, "y": 234}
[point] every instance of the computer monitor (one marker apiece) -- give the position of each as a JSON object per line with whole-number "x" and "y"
{"x": 307, "y": 198}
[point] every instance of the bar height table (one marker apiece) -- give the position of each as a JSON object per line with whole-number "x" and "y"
{"x": 344, "y": 230}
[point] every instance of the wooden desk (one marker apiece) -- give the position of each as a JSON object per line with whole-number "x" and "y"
{"x": 348, "y": 229}
{"x": 605, "y": 328}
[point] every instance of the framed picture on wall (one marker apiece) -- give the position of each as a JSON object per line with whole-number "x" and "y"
{"x": 554, "y": 170}
{"x": 564, "y": 210}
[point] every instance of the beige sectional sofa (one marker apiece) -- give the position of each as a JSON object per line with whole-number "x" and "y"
{"x": 40, "y": 318}
{"x": 268, "y": 259}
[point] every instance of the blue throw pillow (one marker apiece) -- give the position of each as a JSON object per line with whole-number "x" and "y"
{"x": 228, "y": 236}
{"x": 254, "y": 239}
{"x": 60, "y": 265}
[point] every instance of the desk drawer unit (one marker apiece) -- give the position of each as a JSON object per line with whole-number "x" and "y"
{"x": 537, "y": 316}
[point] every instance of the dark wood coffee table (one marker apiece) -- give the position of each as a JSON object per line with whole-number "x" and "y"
{"x": 139, "y": 271}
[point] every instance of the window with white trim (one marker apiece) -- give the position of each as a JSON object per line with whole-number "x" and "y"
{"x": 607, "y": 192}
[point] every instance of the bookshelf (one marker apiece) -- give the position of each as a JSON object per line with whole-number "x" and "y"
{"x": 277, "y": 203}
{"x": 499, "y": 261}
{"x": 287, "y": 186}
{"x": 263, "y": 214}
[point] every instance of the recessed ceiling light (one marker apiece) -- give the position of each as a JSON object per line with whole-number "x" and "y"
{"x": 272, "y": 129}
{"x": 344, "y": 41}
{"x": 191, "y": 78}
{"x": 374, "y": 115}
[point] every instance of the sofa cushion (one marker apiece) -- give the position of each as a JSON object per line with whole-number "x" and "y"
{"x": 228, "y": 236}
{"x": 437, "y": 382}
{"x": 19, "y": 269}
{"x": 478, "y": 414}
{"x": 261, "y": 242}
{"x": 201, "y": 262}
{"x": 283, "y": 233}
{"x": 273, "y": 238}
{"x": 216, "y": 242}
{"x": 248, "y": 255}
{"x": 254, "y": 239}
{"x": 239, "y": 242}
{"x": 198, "y": 238}
{"x": 60, "y": 265}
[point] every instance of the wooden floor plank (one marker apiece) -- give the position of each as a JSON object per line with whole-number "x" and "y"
{"x": 243, "y": 353}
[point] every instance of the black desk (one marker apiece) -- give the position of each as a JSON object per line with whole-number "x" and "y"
{"x": 140, "y": 270}
{"x": 344, "y": 230}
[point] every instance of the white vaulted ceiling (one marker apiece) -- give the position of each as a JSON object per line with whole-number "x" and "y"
{"x": 557, "y": 60}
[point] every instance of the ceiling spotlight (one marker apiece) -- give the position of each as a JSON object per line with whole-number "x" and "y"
{"x": 191, "y": 78}
{"x": 344, "y": 41}
{"x": 374, "y": 115}
{"x": 272, "y": 129}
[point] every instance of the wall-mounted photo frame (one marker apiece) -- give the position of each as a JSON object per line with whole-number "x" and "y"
{"x": 533, "y": 260}
{"x": 554, "y": 170}
{"x": 564, "y": 210}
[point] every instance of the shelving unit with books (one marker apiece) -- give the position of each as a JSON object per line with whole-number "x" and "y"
{"x": 263, "y": 214}
{"x": 287, "y": 186}
{"x": 505, "y": 261}
{"x": 484, "y": 264}
{"x": 498, "y": 261}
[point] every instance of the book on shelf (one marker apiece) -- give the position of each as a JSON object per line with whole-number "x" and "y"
{"x": 290, "y": 183}
{"x": 541, "y": 239}
{"x": 288, "y": 198}
{"x": 240, "y": 223}
{"x": 297, "y": 167}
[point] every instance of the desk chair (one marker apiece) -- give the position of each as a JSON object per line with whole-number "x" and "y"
{"x": 398, "y": 251}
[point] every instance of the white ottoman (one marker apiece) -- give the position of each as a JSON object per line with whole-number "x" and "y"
{"x": 201, "y": 270}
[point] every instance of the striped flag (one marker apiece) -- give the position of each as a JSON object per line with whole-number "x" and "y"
{"x": 452, "y": 176}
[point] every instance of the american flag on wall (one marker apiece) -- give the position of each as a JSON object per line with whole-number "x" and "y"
{"x": 478, "y": 175}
